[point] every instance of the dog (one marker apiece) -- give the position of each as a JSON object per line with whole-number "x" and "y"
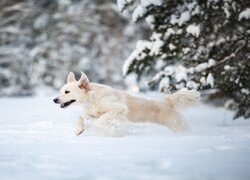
{"x": 111, "y": 106}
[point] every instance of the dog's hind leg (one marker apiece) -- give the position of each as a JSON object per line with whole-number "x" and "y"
{"x": 174, "y": 121}
{"x": 113, "y": 124}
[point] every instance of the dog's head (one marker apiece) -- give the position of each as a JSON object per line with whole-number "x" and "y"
{"x": 73, "y": 90}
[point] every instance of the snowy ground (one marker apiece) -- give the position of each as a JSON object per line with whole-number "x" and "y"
{"x": 37, "y": 141}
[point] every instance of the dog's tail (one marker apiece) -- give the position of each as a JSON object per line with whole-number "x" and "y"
{"x": 175, "y": 102}
{"x": 183, "y": 98}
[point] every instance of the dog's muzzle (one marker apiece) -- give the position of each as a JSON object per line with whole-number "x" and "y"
{"x": 63, "y": 105}
{"x": 56, "y": 100}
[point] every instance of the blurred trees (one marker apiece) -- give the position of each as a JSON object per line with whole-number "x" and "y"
{"x": 42, "y": 40}
{"x": 195, "y": 44}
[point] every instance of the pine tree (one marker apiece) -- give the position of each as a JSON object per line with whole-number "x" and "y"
{"x": 195, "y": 44}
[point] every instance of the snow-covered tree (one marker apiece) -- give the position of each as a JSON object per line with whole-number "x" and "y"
{"x": 194, "y": 44}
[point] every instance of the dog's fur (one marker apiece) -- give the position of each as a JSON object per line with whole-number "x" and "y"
{"x": 110, "y": 105}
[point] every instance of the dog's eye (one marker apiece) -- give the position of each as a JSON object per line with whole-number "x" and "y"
{"x": 67, "y": 92}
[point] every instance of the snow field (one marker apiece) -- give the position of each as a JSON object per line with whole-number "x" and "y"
{"x": 37, "y": 141}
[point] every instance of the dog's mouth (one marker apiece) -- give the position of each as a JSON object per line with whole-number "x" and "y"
{"x": 63, "y": 105}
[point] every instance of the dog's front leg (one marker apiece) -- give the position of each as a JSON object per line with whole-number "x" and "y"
{"x": 80, "y": 125}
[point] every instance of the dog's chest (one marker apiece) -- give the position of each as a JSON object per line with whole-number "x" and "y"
{"x": 93, "y": 110}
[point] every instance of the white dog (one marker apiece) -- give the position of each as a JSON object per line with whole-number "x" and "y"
{"x": 109, "y": 105}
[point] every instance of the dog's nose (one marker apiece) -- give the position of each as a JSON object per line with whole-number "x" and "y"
{"x": 56, "y": 100}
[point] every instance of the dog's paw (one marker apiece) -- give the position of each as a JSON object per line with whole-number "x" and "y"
{"x": 79, "y": 131}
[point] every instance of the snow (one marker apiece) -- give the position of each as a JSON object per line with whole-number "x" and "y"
{"x": 121, "y": 4}
{"x": 203, "y": 81}
{"x": 211, "y": 62}
{"x": 205, "y": 65}
{"x": 196, "y": 10}
{"x": 138, "y": 13}
{"x": 245, "y": 91}
{"x": 147, "y": 3}
{"x": 194, "y": 30}
{"x": 168, "y": 33}
{"x": 226, "y": 10}
{"x": 201, "y": 67}
{"x": 173, "y": 19}
{"x": 185, "y": 17}
{"x": 192, "y": 85}
{"x": 137, "y": 54}
{"x": 37, "y": 142}
{"x": 150, "y": 20}
{"x": 41, "y": 21}
{"x": 227, "y": 67}
{"x": 171, "y": 47}
{"x": 181, "y": 75}
{"x": 245, "y": 14}
{"x": 186, "y": 50}
{"x": 156, "y": 36}
{"x": 169, "y": 70}
{"x": 131, "y": 82}
{"x": 164, "y": 83}
{"x": 156, "y": 47}
{"x": 210, "y": 80}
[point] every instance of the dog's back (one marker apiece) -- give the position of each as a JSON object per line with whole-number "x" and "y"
{"x": 165, "y": 112}
{"x": 141, "y": 109}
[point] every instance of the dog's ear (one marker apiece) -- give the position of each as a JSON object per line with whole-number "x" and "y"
{"x": 71, "y": 77}
{"x": 84, "y": 82}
